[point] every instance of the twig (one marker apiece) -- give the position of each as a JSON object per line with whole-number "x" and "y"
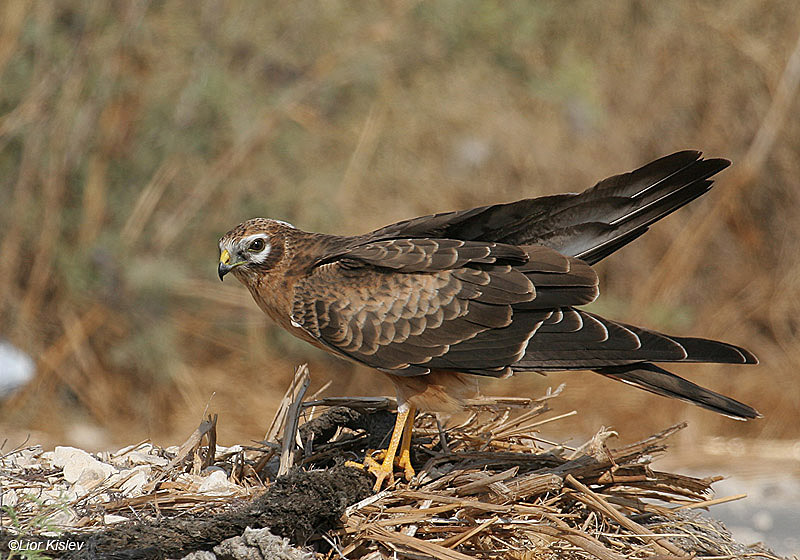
{"x": 715, "y": 501}
{"x": 279, "y": 420}
{"x": 426, "y": 547}
{"x": 188, "y": 446}
{"x": 211, "y": 453}
{"x": 591, "y": 498}
{"x": 577, "y": 538}
{"x": 457, "y": 539}
{"x": 480, "y": 484}
{"x": 301, "y": 383}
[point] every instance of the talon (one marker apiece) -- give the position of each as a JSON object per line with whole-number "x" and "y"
{"x": 381, "y": 463}
{"x": 379, "y": 469}
{"x": 404, "y": 462}
{"x": 376, "y": 455}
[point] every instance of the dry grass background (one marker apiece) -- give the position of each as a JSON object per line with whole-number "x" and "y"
{"x": 133, "y": 134}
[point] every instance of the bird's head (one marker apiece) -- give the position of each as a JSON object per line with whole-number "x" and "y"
{"x": 252, "y": 247}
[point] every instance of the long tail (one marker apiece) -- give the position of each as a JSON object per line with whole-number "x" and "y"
{"x": 572, "y": 339}
{"x": 652, "y": 378}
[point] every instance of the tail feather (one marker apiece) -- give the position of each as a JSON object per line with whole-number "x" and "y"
{"x": 714, "y": 351}
{"x": 577, "y": 339}
{"x": 589, "y": 225}
{"x": 574, "y": 339}
{"x": 661, "y": 382}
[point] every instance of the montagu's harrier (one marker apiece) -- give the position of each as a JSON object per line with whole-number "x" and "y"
{"x": 432, "y": 301}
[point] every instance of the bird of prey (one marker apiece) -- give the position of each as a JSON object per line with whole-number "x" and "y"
{"x": 435, "y": 300}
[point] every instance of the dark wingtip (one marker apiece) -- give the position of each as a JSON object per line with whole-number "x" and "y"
{"x": 657, "y": 380}
{"x": 693, "y": 154}
{"x": 749, "y": 357}
{"x": 687, "y": 157}
{"x": 719, "y": 163}
{"x": 744, "y": 414}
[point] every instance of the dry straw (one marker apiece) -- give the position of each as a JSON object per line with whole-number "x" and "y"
{"x": 489, "y": 487}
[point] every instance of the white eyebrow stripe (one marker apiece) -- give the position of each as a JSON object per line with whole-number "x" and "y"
{"x": 257, "y": 257}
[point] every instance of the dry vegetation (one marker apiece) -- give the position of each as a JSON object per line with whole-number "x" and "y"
{"x": 133, "y": 134}
{"x": 490, "y": 488}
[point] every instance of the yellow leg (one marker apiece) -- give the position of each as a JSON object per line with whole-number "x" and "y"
{"x": 401, "y": 437}
{"x": 405, "y": 445}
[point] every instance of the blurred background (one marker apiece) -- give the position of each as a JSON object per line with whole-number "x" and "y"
{"x": 134, "y": 134}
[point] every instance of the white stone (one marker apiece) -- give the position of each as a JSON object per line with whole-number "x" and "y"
{"x": 80, "y": 466}
{"x": 30, "y": 457}
{"x": 132, "y": 487}
{"x": 9, "y": 498}
{"x": 216, "y": 484}
{"x": 58, "y": 494}
{"x": 139, "y": 458}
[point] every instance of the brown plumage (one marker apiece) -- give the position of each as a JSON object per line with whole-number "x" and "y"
{"x": 487, "y": 291}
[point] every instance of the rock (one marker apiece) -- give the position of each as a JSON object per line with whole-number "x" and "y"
{"x": 259, "y": 544}
{"x": 217, "y": 484}
{"x": 80, "y": 467}
{"x": 141, "y": 454}
{"x": 137, "y": 477}
{"x": 200, "y": 555}
{"x": 8, "y": 498}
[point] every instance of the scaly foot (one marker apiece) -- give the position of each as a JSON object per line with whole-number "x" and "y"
{"x": 385, "y": 468}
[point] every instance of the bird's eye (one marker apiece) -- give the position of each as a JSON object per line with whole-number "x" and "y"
{"x": 256, "y": 246}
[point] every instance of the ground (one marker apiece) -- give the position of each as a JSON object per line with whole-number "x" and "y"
{"x": 486, "y": 488}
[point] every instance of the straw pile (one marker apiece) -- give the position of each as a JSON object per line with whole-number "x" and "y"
{"x": 489, "y": 487}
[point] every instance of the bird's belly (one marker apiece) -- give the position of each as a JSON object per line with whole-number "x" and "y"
{"x": 438, "y": 391}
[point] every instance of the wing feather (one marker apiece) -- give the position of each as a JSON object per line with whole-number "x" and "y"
{"x": 590, "y": 225}
{"x": 395, "y": 305}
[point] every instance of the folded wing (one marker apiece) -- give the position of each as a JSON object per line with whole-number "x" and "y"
{"x": 411, "y": 305}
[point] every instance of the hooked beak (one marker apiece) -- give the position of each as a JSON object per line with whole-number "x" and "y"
{"x": 225, "y": 265}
